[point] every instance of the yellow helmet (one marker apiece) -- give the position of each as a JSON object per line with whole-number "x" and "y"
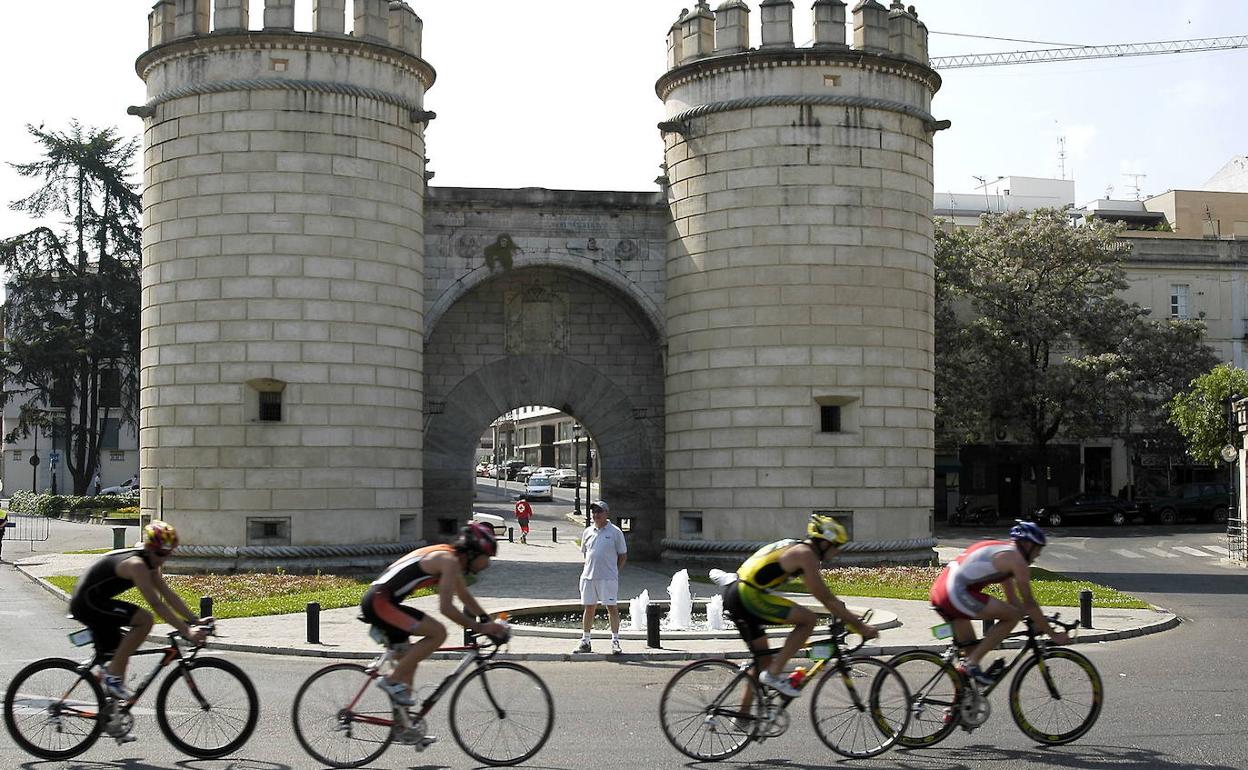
{"x": 824, "y": 527}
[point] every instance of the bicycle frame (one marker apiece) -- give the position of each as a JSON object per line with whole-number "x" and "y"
{"x": 472, "y": 657}
{"x": 168, "y": 654}
{"x": 1034, "y": 647}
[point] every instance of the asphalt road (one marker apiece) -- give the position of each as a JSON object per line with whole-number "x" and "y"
{"x": 1174, "y": 700}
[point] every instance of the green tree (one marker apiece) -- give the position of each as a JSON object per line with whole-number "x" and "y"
{"x": 1032, "y": 337}
{"x": 1202, "y": 414}
{"x": 72, "y": 312}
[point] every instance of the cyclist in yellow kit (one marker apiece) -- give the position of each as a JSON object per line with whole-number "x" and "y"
{"x": 751, "y": 604}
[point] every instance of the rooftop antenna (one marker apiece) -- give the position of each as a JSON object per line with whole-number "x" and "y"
{"x": 1135, "y": 183}
{"x": 1109, "y": 191}
{"x": 1061, "y": 156}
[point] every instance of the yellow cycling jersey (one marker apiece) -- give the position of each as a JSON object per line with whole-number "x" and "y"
{"x": 762, "y": 570}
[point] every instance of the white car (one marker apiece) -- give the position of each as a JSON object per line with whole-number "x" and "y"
{"x": 128, "y": 487}
{"x": 494, "y": 520}
{"x": 538, "y": 488}
{"x": 565, "y": 477}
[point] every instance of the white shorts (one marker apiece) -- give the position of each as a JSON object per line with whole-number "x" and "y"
{"x": 599, "y": 592}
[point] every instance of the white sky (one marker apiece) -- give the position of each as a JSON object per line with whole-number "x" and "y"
{"x": 560, "y": 93}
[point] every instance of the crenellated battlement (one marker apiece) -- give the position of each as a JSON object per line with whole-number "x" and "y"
{"x": 388, "y": 22}
{"x": 703, "y": 33}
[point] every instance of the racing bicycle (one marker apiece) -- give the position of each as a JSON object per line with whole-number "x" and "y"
{"x": 501, "y": 713}
{"x": 56, "y": 708}
{"x": 1055, "y": 697}
{"x": 712, "y": 709}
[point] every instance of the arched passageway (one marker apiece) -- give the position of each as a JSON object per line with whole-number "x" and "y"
{"x": 553, "y": 337}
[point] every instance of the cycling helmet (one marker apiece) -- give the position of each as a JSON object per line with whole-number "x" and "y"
{"x": 160, "y": 536}
{"x": 478, "y": 537}
{"x": 1026, "y": 530}
{"x": 824, "y": 527}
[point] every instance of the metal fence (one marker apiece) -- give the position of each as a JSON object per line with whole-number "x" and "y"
{"x": 27, "y": 528}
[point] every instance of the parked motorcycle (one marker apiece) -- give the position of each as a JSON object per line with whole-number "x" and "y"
{"x": 966, "y": 515}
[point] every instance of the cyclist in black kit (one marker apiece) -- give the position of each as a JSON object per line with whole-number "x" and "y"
{"x": 94, "y": 605}
{"x": 441, "y": 565}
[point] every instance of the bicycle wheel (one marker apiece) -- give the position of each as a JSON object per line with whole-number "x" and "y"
{"x": 340, "y": 718}
{"x": 935, "y": 689}
{"x": 207, "y": 708}
{"x": 860, "y": 707}
{"x": 52, "y": 710}
{"x": 710, "y": 710}
{"x": 501, "y": 714}
{"x": 1056, "y": 697}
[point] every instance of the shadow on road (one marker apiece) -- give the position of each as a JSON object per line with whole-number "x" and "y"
{"x": 227, "y": 763}
{"x": 1073, "y": 756}
{"x": 1168, "y": 582}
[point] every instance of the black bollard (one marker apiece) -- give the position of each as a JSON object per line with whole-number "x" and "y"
{"x": 314, "y": 623}
{"x": 654, "y": 616}
{"x": 1085, "y": 608}
{"x": 119, "y": 538}
{"x": 511, "y": 534}
{"x": 554, "y": 534}
{"x": 205, "y": 606}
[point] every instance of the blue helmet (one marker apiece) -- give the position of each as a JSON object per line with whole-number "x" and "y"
{"x": 1026, "y": 530}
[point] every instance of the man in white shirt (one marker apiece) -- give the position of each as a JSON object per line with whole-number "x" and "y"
{"x": 602, "y": 546}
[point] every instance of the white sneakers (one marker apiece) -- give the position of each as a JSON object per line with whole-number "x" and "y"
{"x": 778, "y": 683}
{"x": 398, "y": 692}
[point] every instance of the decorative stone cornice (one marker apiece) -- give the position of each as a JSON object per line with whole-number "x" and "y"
{"x": 680, "y": 123}
{"x": 285, "y": 41}
{"x": 794, "y": 57}
{"x": 415, "y": 112}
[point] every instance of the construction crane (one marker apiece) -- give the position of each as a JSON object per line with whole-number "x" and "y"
{"x": 1088, "y": 52}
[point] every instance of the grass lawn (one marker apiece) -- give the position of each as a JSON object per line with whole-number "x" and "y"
{"x": 1050, "y": 588}
{"x": 249, "y": 594}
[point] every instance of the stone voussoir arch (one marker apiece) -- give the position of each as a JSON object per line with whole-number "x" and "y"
{"x": 598, "y": 270}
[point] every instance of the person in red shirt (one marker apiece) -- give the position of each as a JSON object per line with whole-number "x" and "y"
{"x": 524, "y": 512}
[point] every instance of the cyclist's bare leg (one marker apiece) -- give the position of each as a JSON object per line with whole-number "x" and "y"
{"x": 140, "y": 627}
{"x": 1006, "y": 616}
{"x": 803, "y": 621}
{"x": 433, "y": 635}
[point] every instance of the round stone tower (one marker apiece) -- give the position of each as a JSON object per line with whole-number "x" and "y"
{"x": 284, "y": 180}
{"x": 799, "y": 279}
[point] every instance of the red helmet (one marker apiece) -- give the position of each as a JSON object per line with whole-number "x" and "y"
{"x": 479, "y": 537}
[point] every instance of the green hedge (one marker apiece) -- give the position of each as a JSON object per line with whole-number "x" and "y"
{"x": 44, "y": 504}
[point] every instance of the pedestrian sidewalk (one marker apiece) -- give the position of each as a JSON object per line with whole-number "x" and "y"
{"x": 546, "y": 574}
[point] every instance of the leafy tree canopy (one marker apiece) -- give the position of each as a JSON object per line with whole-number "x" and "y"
{"x": 1201, "y": 413}
{"x": 1032, "y": 337}
{"x": 72, "y": 313}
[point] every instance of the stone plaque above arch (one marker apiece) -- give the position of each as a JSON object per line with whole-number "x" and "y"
{"x": 535, "y": 321}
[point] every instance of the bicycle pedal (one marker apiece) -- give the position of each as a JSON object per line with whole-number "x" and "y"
{"x": 425, "y": 742}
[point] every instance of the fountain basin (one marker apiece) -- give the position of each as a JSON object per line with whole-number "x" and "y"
{"x": 880, "y": 619}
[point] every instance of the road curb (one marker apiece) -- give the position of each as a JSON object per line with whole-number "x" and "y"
{"x": 1169, "y": 621}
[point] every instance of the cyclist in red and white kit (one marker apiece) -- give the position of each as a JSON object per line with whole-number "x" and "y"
{"x": 440, "y": 565}
{"x": 959, "y": 597}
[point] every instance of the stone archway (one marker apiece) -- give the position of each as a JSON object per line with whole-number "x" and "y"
{"x": 557, "y": 338}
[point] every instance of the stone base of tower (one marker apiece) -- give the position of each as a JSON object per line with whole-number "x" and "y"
{"x": 367, "y": 559}
{"x": 728, "y": 555}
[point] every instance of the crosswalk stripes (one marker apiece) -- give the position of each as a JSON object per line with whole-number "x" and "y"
{"x": 1160, "y": 552}
{"x": 1126, "y": 553}
{"x": 1219, "y": 550}
{"x": 1191, "y": 551}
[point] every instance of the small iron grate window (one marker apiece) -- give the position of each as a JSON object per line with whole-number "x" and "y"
{"x": 270, "y": 406}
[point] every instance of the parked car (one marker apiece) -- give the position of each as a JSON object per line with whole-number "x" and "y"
{"x": 494, "y": 520}
{"x": 523, "y": 474}
{"x": 483, "y": 470}
{"x": 538, "y": 488}
{"x": 565, "y": 477}
{"x": 1203, "y": 501}
{"x": 545, "y": 470}
{"x": 513, "y": 467}
{"x": 1083, "y": 506}
{"x": 128, "y": 487}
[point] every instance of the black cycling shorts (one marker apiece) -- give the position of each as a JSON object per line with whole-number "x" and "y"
{"x": 396, "y": 620}
{"x": 105, "y": 621}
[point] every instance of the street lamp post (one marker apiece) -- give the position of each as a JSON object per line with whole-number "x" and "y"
{"x": 576, "y": 446}
{"x": 589, "y": 474}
